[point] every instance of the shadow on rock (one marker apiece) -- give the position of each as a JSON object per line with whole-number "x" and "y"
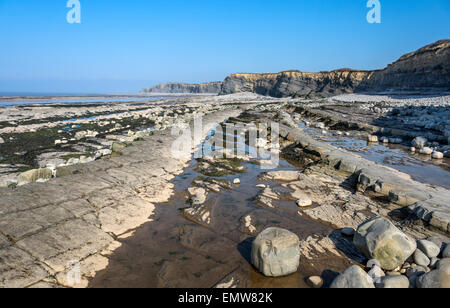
{"x": 346, "y": 246}
{"x": 328, "y": 276}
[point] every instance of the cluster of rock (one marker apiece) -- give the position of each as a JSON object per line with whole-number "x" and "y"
{"x": 395, "y": 259}
{"x": 419, "y": 145}
{"x": 422, "y": 146}
{"x": 111, "y": 135}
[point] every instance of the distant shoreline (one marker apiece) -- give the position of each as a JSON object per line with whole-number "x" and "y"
{"x": 88, "y": 96}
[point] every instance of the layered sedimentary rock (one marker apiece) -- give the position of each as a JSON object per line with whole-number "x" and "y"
{"x": 211, "y": 87}
{"x": 426, "y": 68}
{"x": 296, "y": 83}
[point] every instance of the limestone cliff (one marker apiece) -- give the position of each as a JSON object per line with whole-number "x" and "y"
{"x": 426, "y": 68}
{"x": 296, "y": 83}
{"x": 211, "y": 87}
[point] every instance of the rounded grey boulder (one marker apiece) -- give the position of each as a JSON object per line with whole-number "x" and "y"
{"x": 393, "y": 282}
{"x": 276, "y": 252}
{"x": 379, "y": 239}
{"x": 353, "y": 277}
{"x": 420, "y": 258}
{"x": 438, "y": 241}
{"x": 446, "y": 252}
{"x": 430, "y": 249}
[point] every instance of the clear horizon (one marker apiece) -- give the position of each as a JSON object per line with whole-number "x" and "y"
{"x": 124, "y": 46}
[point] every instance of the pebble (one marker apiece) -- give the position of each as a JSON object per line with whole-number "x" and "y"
{"x": 426, "y": 151}
{"x": 437, "y": 155}
{"x": 236, "y": 181}
{"x": 304, "y": 202}
{"x": 315, "y": 282}
{"x": 372, "y": 138}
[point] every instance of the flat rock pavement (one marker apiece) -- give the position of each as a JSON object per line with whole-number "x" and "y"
{"x": 59, "y": 233}
{"x": 427, "y": 202}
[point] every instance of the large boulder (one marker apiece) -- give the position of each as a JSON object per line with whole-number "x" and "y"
{"x": 353, "y": 278}
{"x": 276, "y": 252}
{"x": 380, "y": 239}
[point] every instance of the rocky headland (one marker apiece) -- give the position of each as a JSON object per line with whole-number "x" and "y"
{"x": 178, "y": 88}
{"x": 427, "y": 69}
{"x": 424, "y": 70}
{"x": 296, "y": 83}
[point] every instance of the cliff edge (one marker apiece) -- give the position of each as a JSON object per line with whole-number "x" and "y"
{"x": 427, "y": 69}
{"x": 296, "y": 83}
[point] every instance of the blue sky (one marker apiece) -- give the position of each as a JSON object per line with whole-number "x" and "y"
{"x": 121, "y": 46}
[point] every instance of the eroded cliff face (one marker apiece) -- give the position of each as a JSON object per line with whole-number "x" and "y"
{"x": 210, "y": 87}
{"x": 426, "y": 68}
{"x": 296, "y": 83}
